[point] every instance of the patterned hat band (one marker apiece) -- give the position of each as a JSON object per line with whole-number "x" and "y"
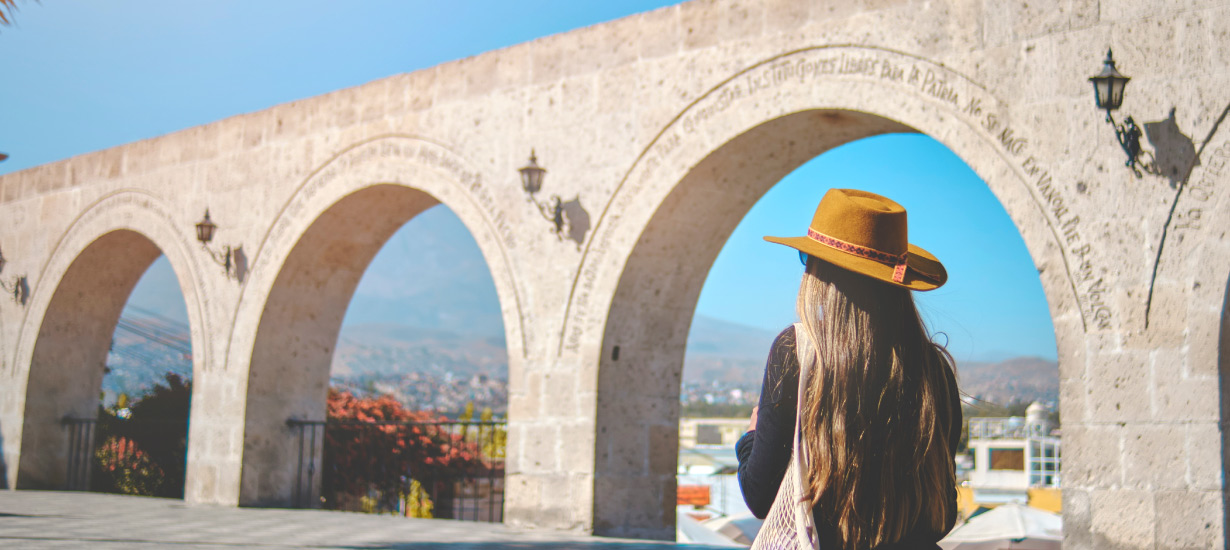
{"x": 897, "y": 261}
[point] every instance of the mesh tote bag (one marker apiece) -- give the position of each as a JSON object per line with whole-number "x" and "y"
{"x": 789, "y": 524}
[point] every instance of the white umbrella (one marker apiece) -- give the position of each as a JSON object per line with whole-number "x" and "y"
{"x": 741, "y": 528}
{"x": 690, "y": 530}
{"x": 1010, "y": 526}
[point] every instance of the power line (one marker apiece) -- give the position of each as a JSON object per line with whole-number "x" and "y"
{"x": 166, "y": 326}
{"x": 132, "y": 328}
{"x": 181, "y": 327}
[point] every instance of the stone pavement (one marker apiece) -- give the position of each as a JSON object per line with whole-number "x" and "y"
{"x": 53, "y": 520}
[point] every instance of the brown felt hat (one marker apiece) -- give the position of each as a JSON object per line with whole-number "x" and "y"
{"x": 866, "y": 233}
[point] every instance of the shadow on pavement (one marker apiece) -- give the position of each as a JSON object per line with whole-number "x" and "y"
{"x": 561, "y": 545}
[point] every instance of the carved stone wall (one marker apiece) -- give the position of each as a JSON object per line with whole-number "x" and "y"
{"x": 659, "y": 132}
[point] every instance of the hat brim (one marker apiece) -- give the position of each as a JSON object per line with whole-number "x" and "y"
{"x": 925, "y": 270}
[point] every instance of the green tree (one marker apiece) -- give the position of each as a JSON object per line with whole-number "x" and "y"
{"x": 144, "y": 444}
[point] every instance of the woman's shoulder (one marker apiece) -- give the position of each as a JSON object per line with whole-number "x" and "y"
{"x": 785, "y": 337}
{"x": 783, "y": 363}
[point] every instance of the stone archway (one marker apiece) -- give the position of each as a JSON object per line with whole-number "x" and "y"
{"x": 75, "y": 307}
{"x": 689, "y": 189}
{"x": 345, "y": 213}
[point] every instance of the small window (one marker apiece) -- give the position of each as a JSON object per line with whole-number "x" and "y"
{"x": 708, "y": 434}
{"x": 1007, "y": 459}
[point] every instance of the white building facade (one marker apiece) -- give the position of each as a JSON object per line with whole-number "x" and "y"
{"x": 1013, "y": 454}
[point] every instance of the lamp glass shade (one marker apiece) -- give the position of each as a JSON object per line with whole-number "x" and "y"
{"x": 531, "y": 175}
{"x": 205, "y": 229}
{"x": 1108, "y": 86}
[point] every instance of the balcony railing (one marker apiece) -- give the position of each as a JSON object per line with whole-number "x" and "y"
{"x": 997, "y": 428}
{"x": 80, "y": 452}
{"x": 386, "y": 466}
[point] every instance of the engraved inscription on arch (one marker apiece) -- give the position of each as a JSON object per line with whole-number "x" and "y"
{"x": 796, "y": 73}
{"x": 413, "y": 153}
{"x": 123, "y": 210}
{"x": 422, "y": 152}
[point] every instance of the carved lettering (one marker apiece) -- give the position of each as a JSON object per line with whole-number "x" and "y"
{"x": 1011, "y": 142}
{"x": 1070, "y": 235}
{"x": 1189, "y": 219}
{"x": 935, "y": 85}
{"x": 890, "y": 72}
{"x": 1202, "y": 189}
{"x": 973, "y": 109}
{"x": 991, "y": 123}
{"x": 967, "y": 102}
{"x": 914, "y": 75}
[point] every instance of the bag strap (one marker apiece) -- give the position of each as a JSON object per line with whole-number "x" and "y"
{"x": 806, "y": 355}
{"x": 805, "y": 352}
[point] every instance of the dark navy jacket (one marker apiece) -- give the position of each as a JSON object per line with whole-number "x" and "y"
{"x": 764, "y": 453}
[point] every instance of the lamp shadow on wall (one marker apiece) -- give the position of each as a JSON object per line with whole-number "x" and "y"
{"x": 1175, "y": 156}
{"x": 241, "y": 264}
{"x": 577, "y": 221}
{"x": 537, "y": 545}
{"x": 1174, "y": 153}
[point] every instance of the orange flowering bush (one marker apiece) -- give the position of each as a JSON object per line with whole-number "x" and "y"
{"x": 127, "y": 469}
{"x": 374, "y": 448}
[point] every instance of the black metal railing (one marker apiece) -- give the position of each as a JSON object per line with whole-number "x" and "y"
{"x": 390, "y": 466}
{"x": 80, "y": 452}
{"x": 116, "y": 455}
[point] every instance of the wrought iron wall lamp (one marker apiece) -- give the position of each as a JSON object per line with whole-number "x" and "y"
{"x": 531, "y": 180}
{"x": 19, "y": 289}
{"x": 225, "y": 257}
{"x": 1108, "y": 89}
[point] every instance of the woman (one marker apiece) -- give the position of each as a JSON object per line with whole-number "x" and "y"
{"x": 880, "y": 416}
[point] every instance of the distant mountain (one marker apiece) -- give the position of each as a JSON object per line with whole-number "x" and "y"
{"x": 430, "y": 275}
{"x": 718, "y": 337}
{"x": 726, "y": 352}
{"x": 1021, "y": 379}
{"x": 385, "y": 349}
{"x": 735, "y": 354}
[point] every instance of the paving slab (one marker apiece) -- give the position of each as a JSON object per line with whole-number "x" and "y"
{"x": 41, "y": 520}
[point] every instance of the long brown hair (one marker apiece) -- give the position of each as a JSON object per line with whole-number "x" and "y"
{"x": 877, "y": 411}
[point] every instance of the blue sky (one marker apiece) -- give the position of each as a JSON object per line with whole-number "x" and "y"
{"x": 83, "y": 76}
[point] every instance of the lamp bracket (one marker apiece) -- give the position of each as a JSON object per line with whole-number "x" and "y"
{"x": 19, "y": 289}
{"x": 552, "y": 212}
{"x": 223, "y": 258}
{"x": 1128, "y": 135}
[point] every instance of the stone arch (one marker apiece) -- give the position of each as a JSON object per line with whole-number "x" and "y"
{"x": 305, "y": 273}
{"x": 75, "y": 303}
{"x": 665, "y": 225}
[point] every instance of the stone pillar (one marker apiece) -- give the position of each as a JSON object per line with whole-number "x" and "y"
{"x": 1143, "y": 441}
{"x": 549, "y": 481}
{"x": 215, "y": 437}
